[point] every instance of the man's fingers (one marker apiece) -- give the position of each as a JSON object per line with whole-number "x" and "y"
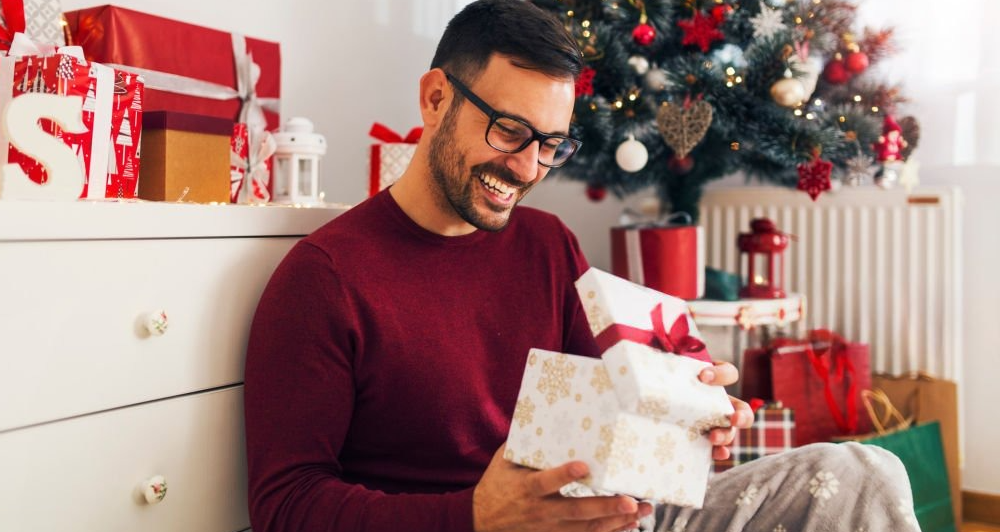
{"x": 721, "y": 374}
{"x": 720, "y": 452}
{"x": 548, "y": 481}
{"x": 743, "y": 415}
{"x": 722, "y": 436}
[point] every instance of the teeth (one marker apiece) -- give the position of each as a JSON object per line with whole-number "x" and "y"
{"x": 497, "y": 185}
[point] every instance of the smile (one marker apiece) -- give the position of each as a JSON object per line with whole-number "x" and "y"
{"x": 501, "y": 190}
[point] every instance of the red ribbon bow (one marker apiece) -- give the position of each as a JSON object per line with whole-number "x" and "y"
{"x": 678, "y": 340}
{"x": 383, "y": 133}
{"x": 13, "y": 16}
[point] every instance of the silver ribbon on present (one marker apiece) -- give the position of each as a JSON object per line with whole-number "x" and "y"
{"x": 251, "y": 110}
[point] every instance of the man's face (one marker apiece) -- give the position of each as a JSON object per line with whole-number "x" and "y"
{"x": 478, "y": 183}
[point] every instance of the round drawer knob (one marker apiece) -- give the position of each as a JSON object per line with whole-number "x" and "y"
{"x": 156, "y": 322}
{"x": 154, "y": 489}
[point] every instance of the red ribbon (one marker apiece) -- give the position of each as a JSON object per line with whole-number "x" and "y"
{"x": 678, "y": 340}
{"x": 13, "y": 16}
{"x": 383, "y": 133}
{"x": 834, "y": 350}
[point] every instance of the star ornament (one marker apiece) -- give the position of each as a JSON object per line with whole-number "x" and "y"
{"x": 701, "y": 30}
{"x": 859, "y": 169}
{"x": 814, "y": 177}
{"x": 767, "y": 23}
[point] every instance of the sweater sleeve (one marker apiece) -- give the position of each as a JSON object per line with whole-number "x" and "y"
{"x": 299, "y": 397}
{"x": 578, "y": 338}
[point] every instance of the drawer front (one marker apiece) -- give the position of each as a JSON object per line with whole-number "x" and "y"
{"x": 72, "y": 339}
{"x": 86, "y": 473}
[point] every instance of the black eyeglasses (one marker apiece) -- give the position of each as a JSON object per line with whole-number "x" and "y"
{"x": 511, "y": 135}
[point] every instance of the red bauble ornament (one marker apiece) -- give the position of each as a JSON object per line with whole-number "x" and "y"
{"x": 856, "y": 62}
{"x": 814, "y": 177}
{"x": 596, "y": 192}
{"x": 643, "y": 34}
{"x": 701, "y": 30}
{"x": 680, "y": 165}
{"x": 720, "y": 12}
{"x": 836, "y": 73}
{"x": 585, "y": 82}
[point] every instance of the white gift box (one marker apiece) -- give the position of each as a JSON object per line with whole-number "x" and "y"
{"x": 637, "y": 417}
{"x": 618, "y": 309}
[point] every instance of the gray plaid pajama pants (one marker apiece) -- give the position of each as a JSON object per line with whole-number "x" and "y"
{"x": 823, "y": 487}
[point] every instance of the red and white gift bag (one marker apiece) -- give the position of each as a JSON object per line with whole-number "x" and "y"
{"x": 112, "y": 112}
{"x": 390, "y": 157}
{"x": 667, "y": 259}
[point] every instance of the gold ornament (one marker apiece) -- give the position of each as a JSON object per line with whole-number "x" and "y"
{"x": 683, "y": 127}
{"x": 788, "y": 92}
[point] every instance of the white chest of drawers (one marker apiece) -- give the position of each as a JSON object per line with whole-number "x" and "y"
{"x": 92, "y": 404}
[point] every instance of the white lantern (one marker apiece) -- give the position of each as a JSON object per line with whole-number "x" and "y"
{"x": 296, "y": 163}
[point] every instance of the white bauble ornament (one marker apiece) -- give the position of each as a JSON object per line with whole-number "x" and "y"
{"x": 631, "y": 155}
{"x": 656, "y": 80}
{"x": 639, "y": 64}
{"x": 788, "y": 92}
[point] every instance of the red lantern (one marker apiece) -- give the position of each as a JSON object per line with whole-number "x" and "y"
{"x": 763, "y": 268}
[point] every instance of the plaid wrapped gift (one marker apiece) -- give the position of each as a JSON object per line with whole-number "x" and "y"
{"x": 772, "y": 432}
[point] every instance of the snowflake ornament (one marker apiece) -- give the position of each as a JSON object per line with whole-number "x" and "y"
{"x": 858, "y": 169}
{"x": 767, "y": 23}
{"x": 701, "y": 30}
{"x": 814, "y": 177}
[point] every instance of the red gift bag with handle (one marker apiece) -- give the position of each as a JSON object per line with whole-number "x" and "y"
{"x": 820, "y": 378}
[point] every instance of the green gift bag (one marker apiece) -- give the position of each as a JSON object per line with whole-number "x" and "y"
{"x": 920, "y": 449}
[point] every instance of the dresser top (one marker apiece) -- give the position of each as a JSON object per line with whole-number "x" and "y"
{"x": 129, "y": 219}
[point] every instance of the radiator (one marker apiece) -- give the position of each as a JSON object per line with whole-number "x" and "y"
{"x": 876, "y": 266}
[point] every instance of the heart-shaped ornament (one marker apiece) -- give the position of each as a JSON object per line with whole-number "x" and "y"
{"x": 683, "y": 127}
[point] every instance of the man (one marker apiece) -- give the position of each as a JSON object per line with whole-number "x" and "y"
{"x": 387, "y": 351}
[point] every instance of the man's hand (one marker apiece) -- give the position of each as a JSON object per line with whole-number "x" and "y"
{"x": 512, "y": 498}
{"x": 724, "y": 374}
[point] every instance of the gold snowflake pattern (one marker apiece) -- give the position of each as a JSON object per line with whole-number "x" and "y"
{"x": 586, "y": 423}
{"x": 655, "y": 406}
{"x": 780, "y": 528}
{"x": 532, "y": 359}
{"x": 556, "y": 376}
{"x": 747, "y": 496}
{"x": 665, "y": 447}
{"x": 536, "y": 460}
{"x": 601, "y": 382}
{"x": 524, "y": 412}
{"x": 596, "y": 316}
{"x": 824, "y": 485}
{"x": 706, "y": 424}
{"x": 617, "y": 447}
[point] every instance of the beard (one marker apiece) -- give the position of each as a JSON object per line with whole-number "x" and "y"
{"x": 458, "y": 186}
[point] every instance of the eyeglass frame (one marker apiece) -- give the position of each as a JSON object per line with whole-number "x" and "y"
{"x": 494, "y": 115}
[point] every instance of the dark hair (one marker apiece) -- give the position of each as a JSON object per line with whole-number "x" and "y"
{"x": 532, "y": 37}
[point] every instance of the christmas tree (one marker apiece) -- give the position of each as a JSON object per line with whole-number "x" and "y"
{"x": 677, "y": 93}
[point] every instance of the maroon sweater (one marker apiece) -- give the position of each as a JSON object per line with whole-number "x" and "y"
{"x": 384, "y": 365}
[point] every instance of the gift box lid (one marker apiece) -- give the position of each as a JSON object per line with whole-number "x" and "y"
{"x": 178, "y": 121}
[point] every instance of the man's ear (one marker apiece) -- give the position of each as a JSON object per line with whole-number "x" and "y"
{"x": 435, "y": 97}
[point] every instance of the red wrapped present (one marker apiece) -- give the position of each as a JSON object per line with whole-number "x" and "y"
{"x": 250, "y": 170}
{"x": 41, "y": 20}
{"x": 216, "y": 78}
{"x": 112, "y": 113}
{"x": 390, "y": 157}
{"x": 821, "y": 378}
{"x": 772, "y": 432}
{"x": 668, "y": 259}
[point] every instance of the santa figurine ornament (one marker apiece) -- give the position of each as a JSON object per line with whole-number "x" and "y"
{"x": 889, "y": 152}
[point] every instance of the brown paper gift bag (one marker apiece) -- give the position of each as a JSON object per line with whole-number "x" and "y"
{"x": 925, "y": 399}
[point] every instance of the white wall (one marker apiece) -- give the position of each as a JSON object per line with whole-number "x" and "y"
{"x": 347, "y": 64}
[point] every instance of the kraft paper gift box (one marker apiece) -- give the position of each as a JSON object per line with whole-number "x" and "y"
{"x": 638, "y": 415}
{"x": 185, "y": 157}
